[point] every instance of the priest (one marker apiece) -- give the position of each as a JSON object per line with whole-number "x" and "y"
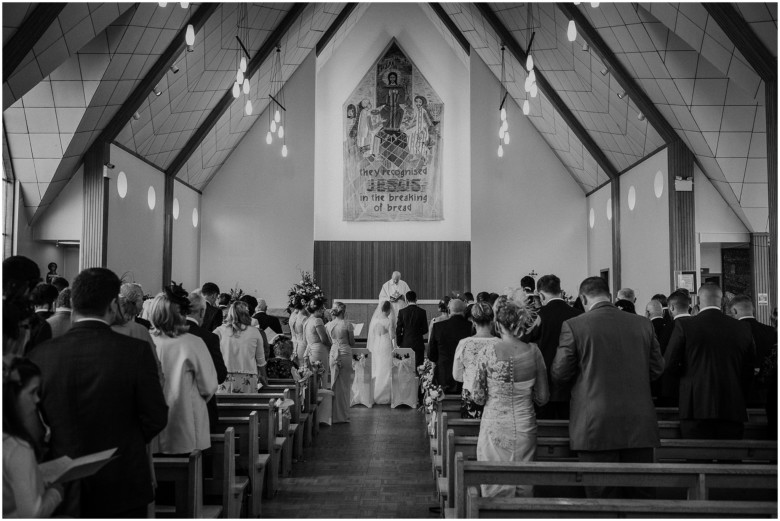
{"x": 395, "y": 291}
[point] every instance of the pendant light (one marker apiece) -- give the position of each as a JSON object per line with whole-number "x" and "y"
{"x": 571, "y": 31}
{"x": 526, "y": 107}
{"x": 236, "y": 90}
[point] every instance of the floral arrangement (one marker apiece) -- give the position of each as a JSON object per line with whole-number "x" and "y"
{"x": 401, "y": 357}
{"x": 358, "y": 358}
{"x": 432, "y": 393}
{"x": 306, "y": 289}
{"x": 304, "y": 372}
{"x": 317, "y": 367}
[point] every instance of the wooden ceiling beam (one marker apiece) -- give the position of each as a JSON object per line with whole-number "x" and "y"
{"x": 449, "y": 24}
{"x": 335, "y": 26}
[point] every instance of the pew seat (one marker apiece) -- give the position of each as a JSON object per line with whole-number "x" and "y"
{"x": 186, "y": 474}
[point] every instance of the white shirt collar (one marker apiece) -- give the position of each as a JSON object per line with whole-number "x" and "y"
{"x": 57, "y": 310}
{"x": 743, "y": 318}
{"x": 190, "y": 319}
{"x": 551, "y": 299}
{"x": 709, "y": 307}
{"x": 682, "y": 315}
{"x": 89, "y": 319}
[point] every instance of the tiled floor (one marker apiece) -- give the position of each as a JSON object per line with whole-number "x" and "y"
{"x": 376, "y": 466}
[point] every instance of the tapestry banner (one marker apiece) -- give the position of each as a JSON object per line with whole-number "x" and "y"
{"x": 392, "y": 144}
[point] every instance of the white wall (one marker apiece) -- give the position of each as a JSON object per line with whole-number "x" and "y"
{"x": 644, "y": 231}
{"x": 711, "y": 257}
{"x": 135, "y": 232}
{"x": 63, "y": 219}
{"x": 185, "y": 254}
{"x": 258, "y": 211}
{"x": 714, "y": 218}
{"x": 336, "y": 79}
{"x": 527, "y": 213}
{"x": 600, "y": 235}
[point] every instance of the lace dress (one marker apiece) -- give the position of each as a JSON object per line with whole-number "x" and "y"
{"x": 464, "y": 369}
{"x": 508, "y": 386}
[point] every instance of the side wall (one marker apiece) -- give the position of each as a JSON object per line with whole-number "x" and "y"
{"x": 599, "y": 234}
{"x": 256, "y": 224}
{"x": 186, "y": 237}
{"x": 527, "y": 213}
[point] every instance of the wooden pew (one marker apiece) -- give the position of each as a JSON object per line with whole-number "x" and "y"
{"x": 696, "y": 479}
{"x": 492, "y": 507}
{"x": 230, "y": 414}
{"x": 306, "y": 414}
{"x": 187, "y": 476}
{"x": 296, "y": 392}
{"x": 292, "y": 428}
{"x": 223, "y": 480}
{"x": 249, "y": 461}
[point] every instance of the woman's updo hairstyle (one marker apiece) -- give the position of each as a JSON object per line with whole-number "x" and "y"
{"x": 482, "y": 314}
{"x": 444, "y": 304}
{"x": 338, "y": 310}
{"x": 510, "y": 313}
{"x": 314, "y": 305}
{"x": 386, "y": 306}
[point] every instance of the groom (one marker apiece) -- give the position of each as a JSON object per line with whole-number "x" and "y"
{"x": 394, "y": 290}
{"x": 412, "y": 325}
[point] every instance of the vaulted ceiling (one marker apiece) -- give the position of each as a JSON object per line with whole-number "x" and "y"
{"x": 84, "y": 69}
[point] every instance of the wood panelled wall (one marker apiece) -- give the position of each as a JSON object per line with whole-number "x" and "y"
{"x": 94, "y": 235}
{"x": 357, "y": 269}
{"x": 771, "y": 156}
{"x": 761, "y": 276}
{"x": 682, "y": 215}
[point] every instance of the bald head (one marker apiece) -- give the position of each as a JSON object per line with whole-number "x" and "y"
{"x": 627, "y": 294}
{"x": 396, "y": 276}
{"x": 710, "y": 295}
{"x": 457, "y": 307}
{"x": 654, "y": 310}
{"x": 261, "y": 305}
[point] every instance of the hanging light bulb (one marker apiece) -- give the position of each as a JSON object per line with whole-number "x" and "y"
{"x": 277, "y": 116}
{"x": 162, "y": 4}
{"x": 532, "y": 76}
{"x": 189, "y": 38}
{"x": 576, "y": 3}
{"x": 273, "y": 126}
{"x": 571, "y": 32}
{"x": 506, "y": 138}
{"x": 242, "y": 64}
{"x": 527, "y": 85}
{"x": 500, "y": 151}
{"x": 269, "y": 139}
{"x": 505, "y": 125}
{"x": 284, "y": 150}
{"x": 281, "y": 131}
{"x": 503, "y": 113}
{"x": 594, "y": 4}
{"x": 526, "y": 107}
{"x": 248, "y": 108}
{"x": 529, "y": 63}
{"x": 534, "y": 90}
{"x": 239, "y": 76}
{"x": 501, "y": 132}
{"x": 246, "y": 85}
{"x": 185, "y": 5}
{"x": 236, "y": 90}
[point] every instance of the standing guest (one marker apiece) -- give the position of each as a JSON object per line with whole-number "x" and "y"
{"x": 264, "y": 320}
{"x": 24, "y": 492}
{"x": 194, "y": 318}
{"x": 511, "y": 378}
{"x": 714, "y": 356}
{"x": 661, "y": 299}
{"x": 493, "y": 298}
{"x": 281, "y": 366}
{"x": 60, "y": 322}
{"x": 343, "y": 338}
{"x": 42, "y": 297}
{"x": 129, "y": 303}
{"x": 190, "y": 376}
{"x": 60, "y": 283}
{"x": 654, "y": 311}
{"x": 213, "y": 318}
{"x": 444, "y": 341}
{"x": 627, "y": 294}
{"x": 444, "y": 314}
{"x": 468, "y": 298}
{"x": 297, "y": 320}
{"x": 555, "y": 311}
{"x": 317, "y": 341}
{"x": 468, "y": 352}
{"x": 412, "y": 327}
{"x": 483, "y": 296}
{"x": 251, "y": 305}
{"x": 741, "y": 308}
{"x": 679, "y": 305}
{"x": 611, "y": 357}
{"x": 20, "y": 276}
{"x": 52, "y": 272}
{"x": 242, "y": 351}
{"x": 101, "y": 390}
{"x": 223, "y": 301}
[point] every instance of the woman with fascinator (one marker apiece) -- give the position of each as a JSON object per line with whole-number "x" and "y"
{"x": 380, "y": 342}
{"x": 190, "y": 376}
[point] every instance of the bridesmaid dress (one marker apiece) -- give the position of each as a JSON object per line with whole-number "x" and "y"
{"x": 340, "y": 368}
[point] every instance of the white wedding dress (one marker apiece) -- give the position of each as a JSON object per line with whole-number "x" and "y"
{"x": 380, "y": 343}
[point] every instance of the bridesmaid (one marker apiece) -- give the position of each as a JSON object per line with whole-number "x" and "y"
{"x": 343, "y": 338}
{"x": 317, "y": 340}
{"x": 296, "y": 329}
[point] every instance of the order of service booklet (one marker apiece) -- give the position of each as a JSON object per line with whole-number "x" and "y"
{"x": 65, "y": 469}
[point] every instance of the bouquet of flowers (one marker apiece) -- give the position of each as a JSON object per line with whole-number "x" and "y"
{"x": 306, "y": 289}
{"x": 304, "y": 372}
{"x": 401, "y": 357}
{"x": 358, "y": 358}
{"x": 317, "y": 367}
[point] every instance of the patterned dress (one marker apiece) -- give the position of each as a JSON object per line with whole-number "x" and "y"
{"x": 464, "y": 369}
{"x": 508, "y": 386}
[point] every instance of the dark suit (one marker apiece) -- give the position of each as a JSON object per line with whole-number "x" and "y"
{"x": 265, "y": 321}
{"x": 714, "y": 356}
{"x": 546, "y": 335}
{"x": 212, "y": 343}
{"x": 670, "y": 383}
{"x": 100, "y": 390}
{"x": 212, "y": 319}
{"x": 412, "y": 326}
{"x": 658, "y": 326}
{"x": 441, "y": 350}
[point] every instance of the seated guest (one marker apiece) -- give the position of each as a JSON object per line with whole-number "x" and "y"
{"x": 264, "y": 320}
{"x": 101, "y": 390}
{"x": 60, "y": 321}
{"x": 469, "y": 350}
{"x": 281, "y": 366}
{"x": 24, "y": 492}
{"x": 130, "y": 302}
{"x": 197, "y": 311}
{"x": 190, "y": 376}
{"x": 242, "y": 349}
{"x": 60, "y": 283}
{"x": 714, "y": 357}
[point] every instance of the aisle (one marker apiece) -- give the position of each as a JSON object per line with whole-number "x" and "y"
{"x": 376, "y": 466}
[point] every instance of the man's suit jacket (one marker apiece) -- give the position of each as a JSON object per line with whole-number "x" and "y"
{"x": 212, "y": 343}
{"x": 412, "y": 326}
{"x": 658, "y": 326}
{"x": 443, "y": 342}
{"x": 612, "y": 356}
{"x": 101, "y": 390}
{"x": 212, "y": 319}
{"x": 670, "y": 383}
{"x": 551, "y": 318}
{"x": 265, "y": 321}
{"x": 714, "y": 356}
{"x": 764, "y": 336}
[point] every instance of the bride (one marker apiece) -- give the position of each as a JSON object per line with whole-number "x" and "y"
{"x": 381, "y": 338}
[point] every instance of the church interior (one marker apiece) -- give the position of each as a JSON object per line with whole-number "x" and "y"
{"x": 250, "y": 143}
